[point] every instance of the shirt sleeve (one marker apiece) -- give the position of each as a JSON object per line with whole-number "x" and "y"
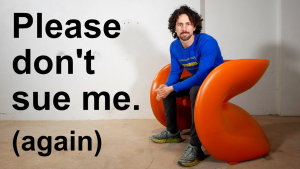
{"x": 208, "y": 55}
{"x": 176, "y": 70}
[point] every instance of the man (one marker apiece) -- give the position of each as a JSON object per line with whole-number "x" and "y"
{"x": 199, "y": 54}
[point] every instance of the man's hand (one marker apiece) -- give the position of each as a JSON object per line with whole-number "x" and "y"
{"x": 163, "y": 91}
{"x": 158, "y": 91}
{"x": 158, "y": 98}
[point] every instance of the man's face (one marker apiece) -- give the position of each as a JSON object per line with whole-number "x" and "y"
{"x": 184, "y": 27}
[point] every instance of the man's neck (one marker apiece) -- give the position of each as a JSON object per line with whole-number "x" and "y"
{"x": 188, "y": 43}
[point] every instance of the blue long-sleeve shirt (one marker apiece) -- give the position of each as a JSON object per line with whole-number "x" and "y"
{"x": 199, "y": 59}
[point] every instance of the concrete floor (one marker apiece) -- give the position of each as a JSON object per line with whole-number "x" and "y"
{"x": 126, "y": 144}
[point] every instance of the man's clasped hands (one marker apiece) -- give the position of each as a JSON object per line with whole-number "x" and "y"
{"x": 163, "y": 91}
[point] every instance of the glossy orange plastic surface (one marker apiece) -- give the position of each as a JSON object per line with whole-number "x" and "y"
{"x": 226, "y": 131}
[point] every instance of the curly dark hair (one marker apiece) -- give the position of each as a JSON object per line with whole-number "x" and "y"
{"x": 194, "y": 17}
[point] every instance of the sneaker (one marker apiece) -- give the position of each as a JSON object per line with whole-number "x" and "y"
{"x": 167, "y": 137}
{"x": 190, "y": 156}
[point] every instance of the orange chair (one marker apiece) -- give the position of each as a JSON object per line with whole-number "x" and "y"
{"x": 226, "y": 131}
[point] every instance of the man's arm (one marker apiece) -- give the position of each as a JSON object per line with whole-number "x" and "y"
{"x": 176, "y": 70}
{"x": 208, "y": 55}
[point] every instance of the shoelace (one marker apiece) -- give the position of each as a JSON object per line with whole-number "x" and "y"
{"x": 188, "y": 148}
{"x": 164, "y": 133}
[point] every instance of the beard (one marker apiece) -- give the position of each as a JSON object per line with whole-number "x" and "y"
{"x": 185, "y": 37}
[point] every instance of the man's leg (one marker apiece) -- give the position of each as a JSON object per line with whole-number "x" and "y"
{"x": 193, "y": 151}
{"x": 170, "y": 112}
{"x": 194, "y": 137}
{"x": 170, "y": 109}
{"x": 171, "y": 134}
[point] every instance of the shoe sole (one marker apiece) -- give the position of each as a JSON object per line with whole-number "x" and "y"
{"x": 189, "y": 164}
{"x": 175, "y": 140}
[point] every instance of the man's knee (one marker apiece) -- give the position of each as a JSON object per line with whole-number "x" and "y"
{"x": 171, "y": 95}
{"x": 193, "y": 92}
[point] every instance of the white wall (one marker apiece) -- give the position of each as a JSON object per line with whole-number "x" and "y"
{"x": 261, "y": 29}
{"x": 127, "y": 63}
{"x": 290, "y": 58}
{"x": 247, "y": 30}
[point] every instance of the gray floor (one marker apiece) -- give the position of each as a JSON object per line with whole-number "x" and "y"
{"x": 126, "y": 144}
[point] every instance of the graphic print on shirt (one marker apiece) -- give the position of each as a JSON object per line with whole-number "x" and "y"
{"x": 190, "y": 63}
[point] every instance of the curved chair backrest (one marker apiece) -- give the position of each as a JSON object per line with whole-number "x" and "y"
{"x": 227, "y": 131}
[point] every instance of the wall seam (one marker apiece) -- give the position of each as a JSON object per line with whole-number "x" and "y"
{"x": 202, "y": 11}
{"x": 279, "y": 41}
